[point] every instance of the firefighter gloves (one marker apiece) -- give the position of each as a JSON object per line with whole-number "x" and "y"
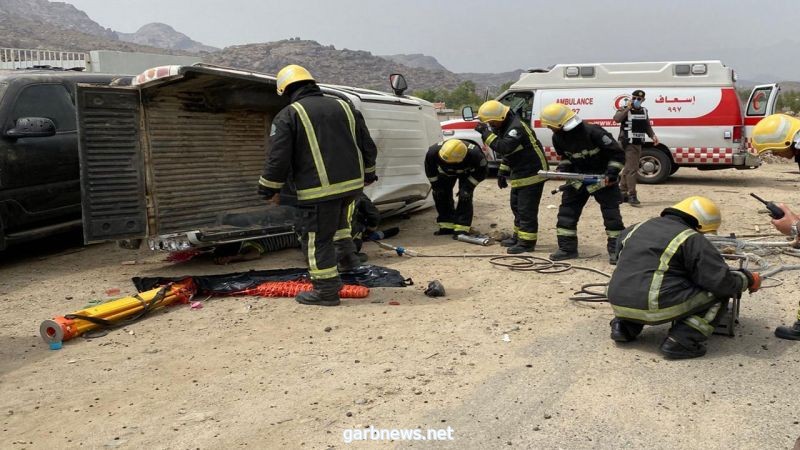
{"x": 266, "y": 193}
{"x": 612, "y": 176}
{"x": 481, "y": 128}
{"x": 753, "y": 280}
{"x": 502, "y": 181}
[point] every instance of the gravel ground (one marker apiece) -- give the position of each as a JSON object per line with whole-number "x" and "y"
{"x": 504, "y": 360}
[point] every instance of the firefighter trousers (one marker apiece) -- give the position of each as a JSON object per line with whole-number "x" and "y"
{"x": 627, "y": 178}
{"x": 451, "y": 216}
{"x": 525, "y": 206}
{"x": 569, "y": 213}
{"x": 687, "y": 330}
{"x": 326, "y": 240}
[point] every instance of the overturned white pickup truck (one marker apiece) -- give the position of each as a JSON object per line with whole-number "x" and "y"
{"x": 175, "y": 158}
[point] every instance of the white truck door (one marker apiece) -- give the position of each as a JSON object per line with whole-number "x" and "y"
{"x": 402, "y": 131}
{"x": 760, "y": 104}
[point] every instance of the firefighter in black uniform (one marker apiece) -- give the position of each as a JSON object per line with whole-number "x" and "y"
{"x": 325, "y": 145}
{"x": 587, "y": 149}
{"x": 446, "y": 163}
{"x": 634, "y": 127}
{"x": 667, "y": 271}
{"x": 523, "y": 157}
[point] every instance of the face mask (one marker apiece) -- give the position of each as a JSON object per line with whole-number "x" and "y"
{"x": 637, "y": 104}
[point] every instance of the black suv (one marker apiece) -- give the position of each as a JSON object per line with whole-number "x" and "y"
{"x": 39, "y": 174}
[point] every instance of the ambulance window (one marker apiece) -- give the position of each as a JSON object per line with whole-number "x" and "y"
{"x": 759, "y": 102}
{"x": 521, "y": 103}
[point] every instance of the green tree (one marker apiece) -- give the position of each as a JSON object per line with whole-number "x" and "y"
{"x": 463, "y": 95}
{"x": 505, "y": 86}
{"x": 431, "y": 95}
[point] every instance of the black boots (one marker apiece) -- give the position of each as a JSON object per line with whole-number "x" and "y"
{"x": 673, "y": 349}
{"x": 612, "y": 259}
{"x": 522, "y": 246}
{"x": 561, "y": 255}
{"x": 510, "y": 242}
{"x": 633, "y": 200}
{"x": 347, "y": 259}
{"x": 792, "y": 333}
{"x": 443, "y": 231}
{"x": 325, "y": 293}
{"x": 624, "y": 331}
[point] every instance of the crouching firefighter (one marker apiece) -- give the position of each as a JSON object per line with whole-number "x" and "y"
{"x": 668, "y": 271}
{"x": 523, "y": 157}
{"x": 325, "y": 145}
{"x": 588, "y": 149}
{"x": 446, "y": 163}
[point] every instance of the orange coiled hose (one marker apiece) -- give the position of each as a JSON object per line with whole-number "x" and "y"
{"x": 292, "y": 288}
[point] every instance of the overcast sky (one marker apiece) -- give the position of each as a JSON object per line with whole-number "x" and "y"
{"x": 481, "y": 36}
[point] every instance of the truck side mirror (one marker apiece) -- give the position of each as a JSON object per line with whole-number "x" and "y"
{"x": 467, "y": 114}
{"x": 32, "y": 127}
{"x": 398, "y": 82}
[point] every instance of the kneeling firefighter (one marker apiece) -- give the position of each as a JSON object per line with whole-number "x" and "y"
{"x": 326, "y": 147}
{"x": 523, "y": 157}
{"x": 668, "y": 271}
{"x": 446, "y": 163}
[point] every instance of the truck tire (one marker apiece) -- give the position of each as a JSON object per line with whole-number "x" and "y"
{"x": 675, "y": 168}
{"x": 3, "y": 242}
{"x": 654, "y": 166}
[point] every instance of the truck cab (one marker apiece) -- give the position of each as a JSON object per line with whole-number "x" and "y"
{"x": 175, "y": 158}
{"x": 39, "y": 176}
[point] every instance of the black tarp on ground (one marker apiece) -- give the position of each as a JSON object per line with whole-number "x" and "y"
{"x": 230, "y": 283}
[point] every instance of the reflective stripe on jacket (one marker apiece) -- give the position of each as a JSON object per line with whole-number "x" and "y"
{"x": 667, "y": 270}
{"x": 588, "y": 148}
{"x": 521, "y": 151}
{"x": 474, "y": 165}
{"x": 323, "y": 142}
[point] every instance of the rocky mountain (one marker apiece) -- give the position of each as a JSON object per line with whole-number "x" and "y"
{"x": 62, "y": 15}
{"x": 164, "y": 36}
{"x": 493, "y": 81}
{"x": 18, "y": 32}
{"x": 416, "y": 60}
{"x": 59, "y": 26}
{"x": 329, "y": 65}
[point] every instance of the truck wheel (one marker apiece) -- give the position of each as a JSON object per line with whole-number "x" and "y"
{"x": 675, "y": 168}
{"x": 654, "y": 166}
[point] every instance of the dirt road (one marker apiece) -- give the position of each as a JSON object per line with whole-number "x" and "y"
{"x": 504, "y": 360}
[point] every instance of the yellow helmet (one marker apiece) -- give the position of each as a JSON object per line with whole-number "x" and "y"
{"x": 291, "y": 74}
{"x": 777, "y": 133}
{"x": 560, "y": 116}
{"x": 453, "y": 151}
{"x": 492, "y": 110}
{"x": 704, "y": 210}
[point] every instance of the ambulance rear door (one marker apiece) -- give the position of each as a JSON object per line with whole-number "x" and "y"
{"x": 760, "y": 104}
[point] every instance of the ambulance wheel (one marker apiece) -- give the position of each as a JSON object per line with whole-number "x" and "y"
{"x": 674, "y": 169}
{"x": 654, "y": 166}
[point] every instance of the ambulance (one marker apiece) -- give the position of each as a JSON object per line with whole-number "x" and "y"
{"x": 693, "y": 107}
